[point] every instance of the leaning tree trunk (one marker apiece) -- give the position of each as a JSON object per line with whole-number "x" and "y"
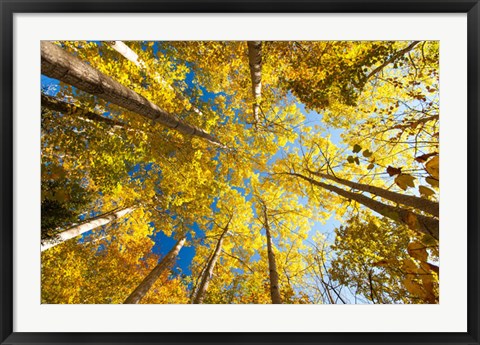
{"x": 58, "y": 64}
{"x": 208, "y": 272}
{"x": 416, "y": 222}
{"x": 131, "y": 56}
{"x": 272, "y": 265}
{"x": 142, "y": 289}
{"x": 63, "y": 107}
{"x": 408, "y": 200}
{"x": 88, "y": 225}
{"x": 255, "y": 63}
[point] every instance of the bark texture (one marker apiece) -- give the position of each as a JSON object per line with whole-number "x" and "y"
{"x": 421, "y": 204}
{"x": 59, "y": 64}
{"x": 416, "y": 222}
{"x": 255, "y": 63}
{"x": 79, "y": 229}
{"x": 272, "y": 264}
{"x": 142, "y": 289}
{"x": 208, "y": 272}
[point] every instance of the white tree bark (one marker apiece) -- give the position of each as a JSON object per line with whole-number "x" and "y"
{"x": 79, "y": 229}
{"x": 127, "y": 53}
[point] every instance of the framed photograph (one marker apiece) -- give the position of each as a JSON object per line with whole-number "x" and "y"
{"x": 239, "y": 172}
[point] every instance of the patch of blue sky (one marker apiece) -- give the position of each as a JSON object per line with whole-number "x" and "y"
{"x": 214, "y": 204}
{"x": 256, "y": 255}
{"x": 49, "y": 86}
{"x": 163, "y": 244}
{"x": 312, "y": 119}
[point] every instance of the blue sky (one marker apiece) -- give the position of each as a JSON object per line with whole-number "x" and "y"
{"x": 163, "y": 243}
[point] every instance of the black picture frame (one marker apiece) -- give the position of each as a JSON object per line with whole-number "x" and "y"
{"x": 9, "y": 8}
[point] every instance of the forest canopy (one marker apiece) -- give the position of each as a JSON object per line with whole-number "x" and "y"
{"x": 239, "y": 172}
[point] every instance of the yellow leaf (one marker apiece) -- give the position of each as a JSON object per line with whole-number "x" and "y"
{"x": 432, "y": 182}
{"x": 409, "y": 266}
{"x": 425, "y": 191}
{"x": 414, "y": 288}
{"x": 412, "y": 221}
{"x": 433, "y": 168}
{"x": 418, "y": 251}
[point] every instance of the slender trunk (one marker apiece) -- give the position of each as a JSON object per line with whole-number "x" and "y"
{"x": 59, "y": 64}
{"x": 88, "y": 225}
{"x": 208, "y": 272}
{"x": 55, "y": 104}
{"x": 127, "y": 53}
{"x": 421, "y": 204}
{"x": 416, "y": 222}
{"x": 372, "y": 289}
{"x": 272, "y": 265}
{"x": 394, "y": 57}
{"x": 142, "y": 289}
{"x": 130, "y": 55}
{"x": 255, "y": 63}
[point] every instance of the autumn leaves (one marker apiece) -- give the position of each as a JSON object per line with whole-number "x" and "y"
{"x": 209, "y": 143}
{"x": 58, "y": 64}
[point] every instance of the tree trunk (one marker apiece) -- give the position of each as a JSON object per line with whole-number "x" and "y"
{"x": 434, "y": 268}
{"x": 58, "y": 64}
{"x": 130, "y": 55}
{"x": 88, "y": 225}
{"x": 142, "y": 289}
{"x": 421, "y": 204}
{"x": 272, "y": 265}
{"x": 416, "y": 222}
{"x": 255, "y": 63}
{"x": 208, "y": 272}
{"x": 55, "y": 104}
{"x": 127, "y": 53}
